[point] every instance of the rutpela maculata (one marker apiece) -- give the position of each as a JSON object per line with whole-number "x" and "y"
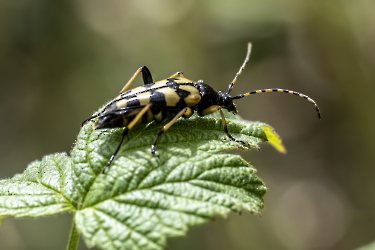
{"x": 168, "y": 100}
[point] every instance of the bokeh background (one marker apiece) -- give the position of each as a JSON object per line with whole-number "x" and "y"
{"x": 60, "y": 60}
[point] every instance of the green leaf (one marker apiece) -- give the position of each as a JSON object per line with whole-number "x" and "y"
{"x": 45, "y": 188}
{"x": 370, "y": 246}
{"x": 142, "y": 199}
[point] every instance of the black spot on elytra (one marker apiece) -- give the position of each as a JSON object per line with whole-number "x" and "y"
{"x": 133, "y": 102}
{"x": 159, "y": 98}
{"x": 182, "y": 94}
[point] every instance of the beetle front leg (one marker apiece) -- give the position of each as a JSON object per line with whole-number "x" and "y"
{"x": 167, "y": 126}
{"x": 226, "y": 129}
{"x": 215, "y": 108}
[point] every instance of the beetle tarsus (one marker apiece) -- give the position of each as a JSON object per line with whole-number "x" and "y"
{"x": 245, "y": 144}
{"x": 153, "y": 152}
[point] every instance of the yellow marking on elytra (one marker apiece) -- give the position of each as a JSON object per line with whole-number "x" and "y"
{"x": 159, "y": 84}
{"x": 144, "y": 98}
{"x": 155, "y": 86}
{"x": 193, "y": 98}
{"x": 193, "y": 90}
{"x": 183, "y": 80}
{"x": 122, "y": 103}
{"x": 137, "y": 90}
{"x": 170, "y": 95}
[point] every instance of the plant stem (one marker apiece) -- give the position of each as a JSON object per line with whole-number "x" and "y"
{"x": 73, "y": 236}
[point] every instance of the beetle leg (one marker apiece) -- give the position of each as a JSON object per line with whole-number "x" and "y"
{"x": 167, "y": 126}
{"x": 125, "y": 133}
{"x": 215, "y": 108}
{"x": 226, "y": 129}
{"x": 146, "y": 74}
{"x": 177, "y": 74}
{"x": 210, "y": 110}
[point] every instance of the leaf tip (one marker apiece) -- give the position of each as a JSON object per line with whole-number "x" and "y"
{"x": 273, "y": 138}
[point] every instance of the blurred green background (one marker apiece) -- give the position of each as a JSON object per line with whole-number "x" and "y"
{"x": 60, "y": 60}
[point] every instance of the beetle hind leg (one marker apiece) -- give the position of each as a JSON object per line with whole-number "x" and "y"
{"x": 146, "y": 74}
{"x": 125, "y": 133}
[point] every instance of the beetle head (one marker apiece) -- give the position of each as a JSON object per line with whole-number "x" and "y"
{"x": 226, "y": 101}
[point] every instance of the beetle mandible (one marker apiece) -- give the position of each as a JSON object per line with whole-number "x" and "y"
{"x": 168, "y": 100}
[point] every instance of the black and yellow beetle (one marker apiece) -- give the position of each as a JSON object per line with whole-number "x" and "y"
{"x": 168, "y": 100}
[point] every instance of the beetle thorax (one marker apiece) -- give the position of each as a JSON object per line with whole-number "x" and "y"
{"x": 212, "y": 98}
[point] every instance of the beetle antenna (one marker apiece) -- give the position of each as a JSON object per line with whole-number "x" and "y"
{"x": 242, "y": 67}
{"x": 280, "y": 90}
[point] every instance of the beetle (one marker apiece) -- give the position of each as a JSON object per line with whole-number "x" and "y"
{"x": 168, "y": 100}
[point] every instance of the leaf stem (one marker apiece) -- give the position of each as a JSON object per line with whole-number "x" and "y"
{"x": 73, "y": 236}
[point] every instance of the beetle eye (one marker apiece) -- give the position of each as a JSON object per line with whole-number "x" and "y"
{"x": 229, "y": 103}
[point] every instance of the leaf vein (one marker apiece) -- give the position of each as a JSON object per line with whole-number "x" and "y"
{"x": 57, "y": 192}
{"x": 127, "y": 226}
{"x": 105, "y": 231}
